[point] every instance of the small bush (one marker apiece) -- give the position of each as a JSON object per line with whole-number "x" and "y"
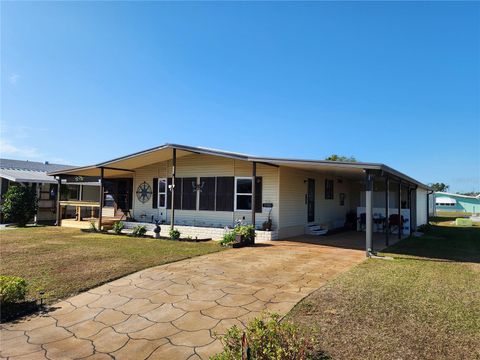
{"x": 248, "y": 232}
{"x": 19, "y": 204}
{"x": 12, "y": 289}
{"x": 268, "y": 338}
{"x": 174, "y": 234}
{"x": 118, "y": 227}
{"x": 228, "y": 238}
{"x": 139, "y": 230}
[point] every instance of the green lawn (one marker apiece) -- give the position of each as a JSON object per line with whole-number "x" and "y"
{"x": 423, "y": 304}
{"x": 64, "y": 261}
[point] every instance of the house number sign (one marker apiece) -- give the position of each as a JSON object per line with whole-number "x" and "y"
{"x": 144, "y": 192}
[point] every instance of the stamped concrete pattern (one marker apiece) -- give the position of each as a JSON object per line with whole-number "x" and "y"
{"x": 175, "y": 311}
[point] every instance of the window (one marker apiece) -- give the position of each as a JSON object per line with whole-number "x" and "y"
{"x": 162, "y": 193}
{"x": 178, "y": 193}
{"x": 243, "y": 193}
{"x": 69, "y": 192}
{"x": 207, "y": 193}
{"x": 225, "y": 193}
{"x": 328, "y": 189}
{"x": 189, "y": 193}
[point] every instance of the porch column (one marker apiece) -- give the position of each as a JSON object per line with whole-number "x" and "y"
{"x": 400, "y": 209}
{"x": 428, "y": 208}
{"x": 58, "y": 222}
{"x": 410, "y": 208}
{"x": 387, "y": 209}
{"x": 102, "y": 173}
{"x": 368, "y": 213}
{"x": 254, "y": 176}
{"x": 174, "y": 165}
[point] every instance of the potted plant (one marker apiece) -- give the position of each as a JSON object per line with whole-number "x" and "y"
{"x": 267, "y": 225}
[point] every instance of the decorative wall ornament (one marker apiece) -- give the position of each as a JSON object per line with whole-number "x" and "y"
{"x": 144, "y": 192}
{"x": 198, "y": 187}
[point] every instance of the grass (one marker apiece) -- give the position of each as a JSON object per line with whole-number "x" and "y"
{"x": 424, "y": 304}
{"x": 64, "y": 262}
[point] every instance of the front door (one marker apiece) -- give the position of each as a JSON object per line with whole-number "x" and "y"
{"x": 311, "y": 200}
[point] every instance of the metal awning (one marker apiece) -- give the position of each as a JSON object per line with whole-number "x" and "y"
{"x": 445, "y": 200}
{"x": 26, "y": 176}
{"x": 124, "y": 166}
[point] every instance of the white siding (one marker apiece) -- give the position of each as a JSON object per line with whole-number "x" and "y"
{"x": 421, "y": 206}
{"x": 199, "y": 165}
{"x": 293, "y": 209}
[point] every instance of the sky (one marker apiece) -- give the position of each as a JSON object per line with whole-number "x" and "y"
{"x": 386, "y": 82}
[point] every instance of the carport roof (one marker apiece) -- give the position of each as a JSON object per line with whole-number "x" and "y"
{"x": 125, "y": 165}
{"x": 29, "y": 171}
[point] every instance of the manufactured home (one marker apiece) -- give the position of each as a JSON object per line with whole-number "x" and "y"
{"x": 33, "y": 174}
{"x": 201, "y": 191}
{"x": 456, "y": 203}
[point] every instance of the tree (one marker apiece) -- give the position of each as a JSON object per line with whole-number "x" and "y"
{"x": 19, "y": 204}
{"x": 335, "y": 157}
{"x": 439, "y": 187}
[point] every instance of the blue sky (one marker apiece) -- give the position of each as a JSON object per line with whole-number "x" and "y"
{"x": 398, "y": 83}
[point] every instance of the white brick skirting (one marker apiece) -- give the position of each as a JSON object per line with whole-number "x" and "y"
{"x": 198, "y": 232}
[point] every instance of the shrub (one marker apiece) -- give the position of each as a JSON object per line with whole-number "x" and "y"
{"x": 228, "y": 238}
{"x": 93, "y": 226}
{"x": 174, "y": 234}
{"x": 139, "y": 230}
{"x": 19, "y": 205}
{"x": 248, "y": 232}
{"x": 12, "y": 289}
{"x": 267, "y": 338}
{"x": 118, "y": 227}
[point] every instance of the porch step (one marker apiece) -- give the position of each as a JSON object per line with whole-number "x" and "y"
{"x": 315, "y": 229}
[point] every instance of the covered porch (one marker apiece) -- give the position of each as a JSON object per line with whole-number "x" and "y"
{"x": 144, "y": 187}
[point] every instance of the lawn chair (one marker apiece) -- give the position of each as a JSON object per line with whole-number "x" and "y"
{"x": 395, "y": 221}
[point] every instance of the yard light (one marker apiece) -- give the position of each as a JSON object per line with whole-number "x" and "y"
{"x": 41, "y": 293}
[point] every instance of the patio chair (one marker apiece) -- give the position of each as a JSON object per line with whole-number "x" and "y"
{"x": 395, "y": 221}
{"x": 362, "y": 221}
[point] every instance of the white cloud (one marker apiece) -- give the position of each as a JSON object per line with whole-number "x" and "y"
{"x": 8, "y": 149}
{"x": 13, "y": 79}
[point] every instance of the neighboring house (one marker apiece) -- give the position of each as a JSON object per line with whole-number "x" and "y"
{"x": 34, "y": 174}
{"x": 213, "y": 189}
{"x": 448, "y": 202}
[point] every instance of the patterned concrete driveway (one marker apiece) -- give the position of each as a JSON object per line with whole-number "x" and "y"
{"x": 174, "y": 311}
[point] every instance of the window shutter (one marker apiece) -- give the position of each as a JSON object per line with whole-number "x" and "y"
{"x": 225, "y": 193}
{"x": 155, "y": 193}
{"x": 258, "y": 194}
{"x": 207, "y": 193}
{"x": 189, "y": 195}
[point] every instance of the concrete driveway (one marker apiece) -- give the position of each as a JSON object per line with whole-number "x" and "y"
{"x": 174, "y": 311}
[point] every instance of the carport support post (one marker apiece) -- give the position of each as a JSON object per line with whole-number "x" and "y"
{"x": 387, "y": 208}
{"x": 174, "y": 165}
{"x": 59, "y": 209}
{"x": 410, "y": 206}
{"x": 368, "y": 213}
{"x": 400, "y": 225}
{"x": 102, "y": 173}
{"x": 254, "y": 180}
